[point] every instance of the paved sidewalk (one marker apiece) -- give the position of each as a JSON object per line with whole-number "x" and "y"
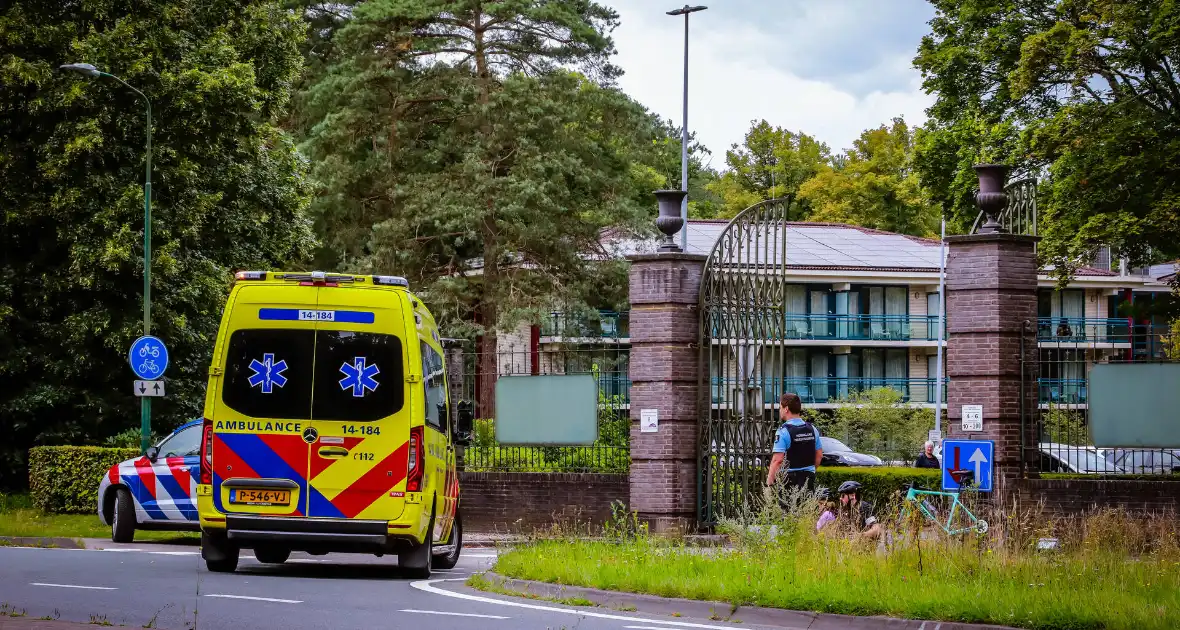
{"x": 721, "y": 611}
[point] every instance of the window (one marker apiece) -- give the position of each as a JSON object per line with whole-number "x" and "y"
{"x": 358, "y": 376}
{"x": 434, "y": 387}
{"x": 187, "y": 443}
{"x": 268, "y": 373}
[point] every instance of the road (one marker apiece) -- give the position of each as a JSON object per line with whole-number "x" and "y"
{"x": 144, "y": 585}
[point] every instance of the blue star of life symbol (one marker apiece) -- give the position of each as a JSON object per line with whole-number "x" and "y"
{"x": 358, "y": 377}
{"x": 267, "y": 373}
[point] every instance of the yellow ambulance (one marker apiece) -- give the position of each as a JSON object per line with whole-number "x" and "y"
{"x": 327, "y": 425}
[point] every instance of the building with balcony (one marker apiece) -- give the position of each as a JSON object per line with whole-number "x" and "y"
{"x": 860, "y": 311}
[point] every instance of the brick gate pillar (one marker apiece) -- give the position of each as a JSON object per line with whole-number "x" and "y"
{"x": 665, "y": 328}
{"x": 991, "y": 285}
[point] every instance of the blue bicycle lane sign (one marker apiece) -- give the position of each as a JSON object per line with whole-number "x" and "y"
{"x": 148, "y": 357}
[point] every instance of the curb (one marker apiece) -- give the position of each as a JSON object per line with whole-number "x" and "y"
{"x": 41, "y": 541}
{"x": 722, "y": 611}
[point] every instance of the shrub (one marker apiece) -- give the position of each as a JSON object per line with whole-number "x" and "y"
{"x": 878, "y": 484}
{"x": 64, "y": 479}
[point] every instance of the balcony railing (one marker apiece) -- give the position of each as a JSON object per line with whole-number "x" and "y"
{"x": 1062, "y": 391}
{"x": 609, "y": 325}
{"x": 773, "y": 325}
{"x": 816, "y": 390}
{"x": 1083, "y": 330}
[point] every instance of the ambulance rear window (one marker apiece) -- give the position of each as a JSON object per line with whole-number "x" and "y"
{"x": 268, "y": 373}
{"x": 359, "y": 377}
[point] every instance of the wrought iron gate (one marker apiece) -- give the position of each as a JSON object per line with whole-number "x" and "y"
{"x": 743, "y": 325}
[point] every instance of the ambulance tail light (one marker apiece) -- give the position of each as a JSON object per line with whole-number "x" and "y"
{"x": 414, "y": 463}
{"x": 207, "y": 451}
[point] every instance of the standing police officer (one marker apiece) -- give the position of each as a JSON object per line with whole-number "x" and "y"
{"x": 796, "y": 441}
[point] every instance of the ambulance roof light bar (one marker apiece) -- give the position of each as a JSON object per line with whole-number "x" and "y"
{"x": 393, "y": 281}
{"x": 250, "y": 275}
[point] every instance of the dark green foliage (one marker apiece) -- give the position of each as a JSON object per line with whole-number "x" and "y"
{"x": 64, "y": 479}
{"x": 1082, "y": 94}
{"x": 228, "y": 193}
{"x": 880, "y": 485}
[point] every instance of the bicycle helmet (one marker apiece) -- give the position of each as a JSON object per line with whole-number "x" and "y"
{"x": 848, "y": 487}
{"x": 823, "y": 494}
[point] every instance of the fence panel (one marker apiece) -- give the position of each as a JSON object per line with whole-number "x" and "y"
{"x": 1067, "y": 350}
{"x": 609, "y": 454}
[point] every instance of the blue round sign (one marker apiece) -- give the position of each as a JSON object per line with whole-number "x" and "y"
{"x": 149, "y": 358}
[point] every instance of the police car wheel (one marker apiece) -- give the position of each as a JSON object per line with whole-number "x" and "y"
{"x": 220, "y": 556}
{"x": 416, "y": 561}
{"x": 123, "y": 517}
{"x": 450, "y": 559}
{"x": 272, "y": 555}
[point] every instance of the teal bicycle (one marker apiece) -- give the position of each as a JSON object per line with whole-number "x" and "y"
{"x": 914, "y": 496}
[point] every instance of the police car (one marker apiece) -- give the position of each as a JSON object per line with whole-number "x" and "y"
{"x": 154, "y": 491}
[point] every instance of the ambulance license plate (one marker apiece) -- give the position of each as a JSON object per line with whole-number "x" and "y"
{"x": 260, "y": 497}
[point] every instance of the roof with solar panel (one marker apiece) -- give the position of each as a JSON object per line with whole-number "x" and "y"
{"x": 814, "y": 246}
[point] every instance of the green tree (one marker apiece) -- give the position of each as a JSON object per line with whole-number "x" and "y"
{"x": 877, "y": 421}
{"x": 874, "y": 185}
{"x": 229, "y": 193}
{"x": 1081, "y": 91}
{"x": 453, "y": 144}
{"x": 703, "y": 203}
{"x": 771, "y": 162}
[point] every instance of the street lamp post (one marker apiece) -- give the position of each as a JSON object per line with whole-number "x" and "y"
{"x": 88, "y": 70}
{"x": 684, "y": 128}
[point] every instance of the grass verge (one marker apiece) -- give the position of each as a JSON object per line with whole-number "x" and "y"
{"x": 1110, "y": 572}
{"x": 19, "y": 518}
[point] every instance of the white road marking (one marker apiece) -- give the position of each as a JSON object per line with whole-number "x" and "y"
{"x": 645, "y": 627}
{"x": 451, "y": 614}
{"x": 257, "y": 599}
{"x": 428, "y": 586}
{"x": 175, "y": 553}
{"x": 90, "y": 588}
{"x": 478, "y": 555}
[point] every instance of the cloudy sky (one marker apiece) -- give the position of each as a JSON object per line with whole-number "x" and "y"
{"x": 830, "y": 68}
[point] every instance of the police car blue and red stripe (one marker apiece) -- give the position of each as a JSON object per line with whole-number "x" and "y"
{"x": 155, "y": 491}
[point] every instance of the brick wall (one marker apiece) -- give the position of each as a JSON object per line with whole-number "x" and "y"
{"x": 991, "y": 283}
{"x": 1074, "y": 496}
{"x": 521, "y": 502}
{"x": 664, "y": 364}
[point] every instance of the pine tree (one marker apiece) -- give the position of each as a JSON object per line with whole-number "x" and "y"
{"x": 479, "y": 149}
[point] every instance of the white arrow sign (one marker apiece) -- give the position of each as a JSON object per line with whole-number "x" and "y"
{"x": 149, "y": 388}
{"x": 978, "y": 459}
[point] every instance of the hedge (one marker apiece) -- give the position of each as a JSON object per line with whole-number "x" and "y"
{"x": 64, "y": 479}
{"x": 878, "y": 483}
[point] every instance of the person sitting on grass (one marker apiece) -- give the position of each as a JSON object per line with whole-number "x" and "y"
{"x": 859, "y": 513}
{"x": 827, "y": 508}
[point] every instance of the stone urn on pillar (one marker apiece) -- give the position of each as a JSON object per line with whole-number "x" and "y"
{"x": 991, "y": 197}
{"x": 669, "y": 221}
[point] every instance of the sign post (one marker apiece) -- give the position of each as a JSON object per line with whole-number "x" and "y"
{"x": 964, "y": 460}
{"x": 149, "y": 358}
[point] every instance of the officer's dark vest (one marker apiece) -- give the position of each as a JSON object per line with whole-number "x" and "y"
{"x": 801, "y": 452}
